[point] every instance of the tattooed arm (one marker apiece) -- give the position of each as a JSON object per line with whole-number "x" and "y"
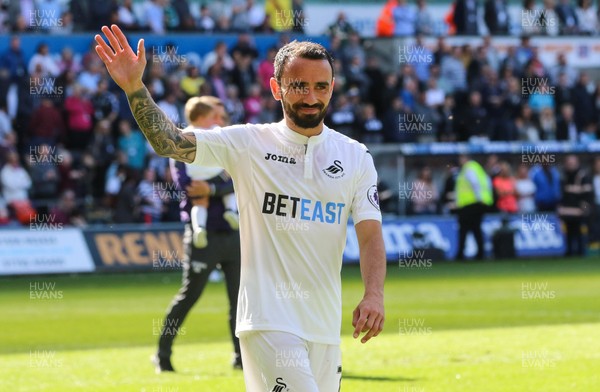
{"x": 126, "y": 68}
{"x": 166, "y": 139}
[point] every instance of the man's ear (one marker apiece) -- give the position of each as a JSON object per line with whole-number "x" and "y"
{"x": 275, "y": 89}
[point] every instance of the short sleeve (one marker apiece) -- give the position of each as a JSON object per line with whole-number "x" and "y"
{"x": 365, "y": 204}
{"x": 221, "y": 147}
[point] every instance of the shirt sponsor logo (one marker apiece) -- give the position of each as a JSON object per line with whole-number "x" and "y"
{"x": 280, "y": 387}
{"x": 373, "y": 196}
{"x": 334, "y": 170}
{"x": 280, "y": 158}
{"x": 303, "y": 209}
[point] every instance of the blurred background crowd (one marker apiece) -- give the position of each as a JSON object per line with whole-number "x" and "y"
{"x": 70, "y": 146}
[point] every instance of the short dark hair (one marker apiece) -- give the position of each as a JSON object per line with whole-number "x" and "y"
{"x": 301, "y": 49}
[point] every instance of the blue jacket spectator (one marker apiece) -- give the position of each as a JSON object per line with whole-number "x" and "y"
{"x": 547, "y": 183}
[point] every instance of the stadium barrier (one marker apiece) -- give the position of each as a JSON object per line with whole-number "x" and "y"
{"x": 158, "y": 247}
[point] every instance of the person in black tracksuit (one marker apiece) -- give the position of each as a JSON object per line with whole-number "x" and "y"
{"x": 223, "y": 249}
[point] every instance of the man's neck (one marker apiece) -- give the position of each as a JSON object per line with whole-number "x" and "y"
{"x": 308, "y": 132}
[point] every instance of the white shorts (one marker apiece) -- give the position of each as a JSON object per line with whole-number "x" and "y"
{"x": 277, "y": 361}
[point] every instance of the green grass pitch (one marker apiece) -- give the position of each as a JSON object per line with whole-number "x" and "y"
{"x": 526, "y": 325}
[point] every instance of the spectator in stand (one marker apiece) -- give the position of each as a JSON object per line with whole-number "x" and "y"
{"x": 239, "y": 16}
{"x": 424, "y": 20}
{"x": 100, "y": 13}
{"x": 127, "y": 203}
{"x": 394, "y": 121}
{"x": 453, "y": 70}
{"x": 566, "y": 128}
{"x": 563, "y": 68}
{"x": 218, "y": 54}
{"x": 446, "y": 129}
{"x": 8, "y": 144}
{"x": 252, "y": 106}
{"x": 548, "y": 19}
{"x": 428, "y": 120}
{"x": 66, "y": 211}
{"x": 420, "y": 57}
{"x": 5, "y": 122}
{"x": 68, "y": 62}
{"x": 270, "y": 111}
{"x": 405, "y": 19}
{"x": 102, "y": 149}
{"x": 356, "y": 76}
{"x": 548, "y": 124}
{"x": 154, "y": 12}
{"x": 15, "y": 180}
{"x": 170, "y": 106}
{"x": 105, "y": 103}
{"x": 90, "y": 77}
{"x": 151, "y": 203}
{"x": 527, "y": 125}
{"x": 496, "y": 17}
{"x": 132, "y": 143}
{"x": 505, "y": 190}
{"x": 587, "y": 18}
{"x": 243, "y": 75}
{"x": 115, "y": 175}
{"x": 256, "y": 15}
{"x": 562, "y": 93}
{"x": 299, "y": 20}
{"x": 244, "y": 46}
{"x": 155, "y": 80}
{"x": 216, "y": 81}
{"x": 588, "y": 134}
{"x": 465, "y": 17}
{"x": 342, "y": 116}
{"x": 79, "y": 113}
{"x": 126, "y": 17}
{"x": 371, "y": 128}
{"x": 47, "y": 125}
{"x": 525, "y": 191}
{"x": 567, "y": 18}
{"x": 530, "y": 22}
{"x": 206, "y": 23}
{"x": 340, "y": 28}
{"x": 583, "y": 100}
{"x": 14, "y": 60}
{"x": 278, "y": 14}
{"x": 547, "y": 187}
{"x": 43, "y": 58}
{"x": 351, "y": 49}
{"x": 191, "y": 83}
{"x": 575, "y": 206}
{"x": 425, "y": 194}
{"x": 234, "y": 106}
{"x": 542, "y": 97}
{"x": 474, "y": 124}
{"x": 376, "y": 81}
{"x": 44, "y": 172}
{"x": 185, "y": 20}
{"x": 266, "y": 69}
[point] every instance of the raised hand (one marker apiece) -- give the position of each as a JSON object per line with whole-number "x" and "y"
{"x": 125, "y": 67}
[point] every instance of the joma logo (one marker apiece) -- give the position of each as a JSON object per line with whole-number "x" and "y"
{"x": 280, "y": 158}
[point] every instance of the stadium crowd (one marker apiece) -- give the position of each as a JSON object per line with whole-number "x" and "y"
{"x": 67, "y": 134}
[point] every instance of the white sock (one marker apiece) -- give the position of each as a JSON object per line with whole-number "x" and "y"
{"x": 199, "y": 217}
{"x": 229, "y": 202}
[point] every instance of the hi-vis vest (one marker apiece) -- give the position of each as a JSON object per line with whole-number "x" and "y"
{"x": 464, "y": 191}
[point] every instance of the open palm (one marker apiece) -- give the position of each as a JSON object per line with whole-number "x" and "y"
{"x": 125, "y": 67}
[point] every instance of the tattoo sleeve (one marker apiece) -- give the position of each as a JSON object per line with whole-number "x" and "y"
{"x": 164, "y": 136}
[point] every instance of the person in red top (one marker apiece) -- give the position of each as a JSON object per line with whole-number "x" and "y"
{"x": 46, "y": 125}
{"x": 504, "y": 185}
{"x": 79, "y": 110}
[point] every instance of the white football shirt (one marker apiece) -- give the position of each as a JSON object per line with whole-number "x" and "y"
{"x": 295, "y": 195}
